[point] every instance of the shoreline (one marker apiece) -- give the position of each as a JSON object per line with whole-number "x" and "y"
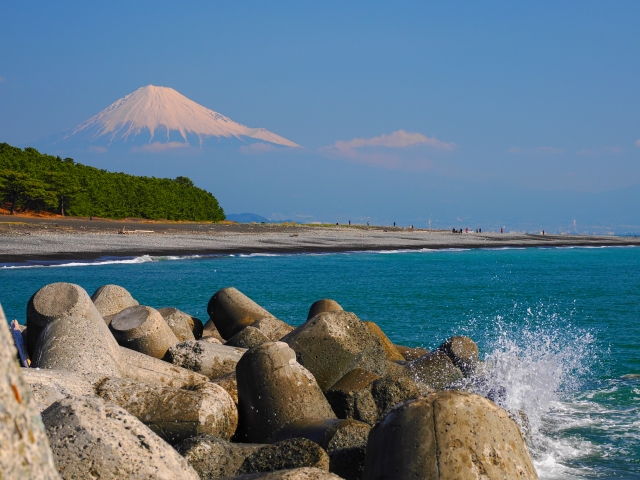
{"x": 45, "y": 247}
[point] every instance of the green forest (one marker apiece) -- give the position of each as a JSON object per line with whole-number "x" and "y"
{"x": 30, "y": 180}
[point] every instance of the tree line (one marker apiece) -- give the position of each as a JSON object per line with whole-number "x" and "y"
{"x": 30, "y": 180}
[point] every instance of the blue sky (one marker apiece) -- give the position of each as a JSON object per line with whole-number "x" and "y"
{"x": 507, "y": 96}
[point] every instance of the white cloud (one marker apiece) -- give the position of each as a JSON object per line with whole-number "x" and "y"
{"x": 387, "y": 150}
{"x": 159, "y": 146}
{"x": 397, "y": 139}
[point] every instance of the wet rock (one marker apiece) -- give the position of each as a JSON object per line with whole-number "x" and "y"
{"x": 447, "y": 435}
{"x": 81, "y": 345}
{"x": 174, "y": 414}
{"x": 273, "y": 390}
{"x": 284, "y": 455}
{"x": 389, "y": 347}
{"x": 322, "y": 306}
{"x": 230, "y": 384}
{"x": 334, "y": 343}
{"x": 112, "y": 299}
{"x": 231, "y": 311}
{"x": 49, "y": 386}
{"x": 294, "y": 474}
{"x": 54, "y": 301}
{"x": 143, "y": 329}
{"x": 248, "y": 337}
{"x": 435, "y": 369}
{"x": 387, "y": 392}
{"x": 330, "y": 434}
{"x": 209, "y": 331}
{"x": 272, "y": 327}
{"x": 213, "y": 457}
{"x": 92, "y": 439}
{"x": 179, "y": 322}
{"x": 25, "y": 451}
{"x": 206, "y": 358}
{"x": 463, "y": 352}
{"x": 351, "y": 397}
{"x": 143, "y": 368}
{"x": 411, "y": 353}
{"x": 348, "y": 463}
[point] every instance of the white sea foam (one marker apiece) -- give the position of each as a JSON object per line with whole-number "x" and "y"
{"x": 99, "y": 262}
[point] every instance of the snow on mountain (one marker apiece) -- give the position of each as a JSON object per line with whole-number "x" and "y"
{"x": 163, "y": 118}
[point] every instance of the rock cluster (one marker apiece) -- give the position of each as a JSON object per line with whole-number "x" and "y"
{"x": 122, "y": 390}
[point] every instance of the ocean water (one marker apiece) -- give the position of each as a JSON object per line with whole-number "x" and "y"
{"x": 559, "y": 329}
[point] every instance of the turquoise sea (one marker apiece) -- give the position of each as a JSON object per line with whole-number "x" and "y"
{"x": 560, "y": 327}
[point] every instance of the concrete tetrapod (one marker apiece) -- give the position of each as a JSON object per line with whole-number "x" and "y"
{"x": 273, "y": 390}
{"x": 248, "y": 337}
{"x": 392, "y": 352}
{"x": 351, "y": 397}
{"x": 334, "y": 343}
{"x": 213, "y": 457}
{"x": 448, "y": 435}
{"x": 54, "y": 301}
{"x": 179, "y": 322}
{"x": 305, "y": 473}
{"x": 25, "y": 451}
{"x": 463, "y": 352}
{"x": 112, "y": 299}
{"x": 286, "y": 454}
{"x": 231, "y": 311}
{"x": 322, "y": 306}
{"x": 81, "y": 345}
{"x": 209, "y": 331}
{"x": 49, "y": 386}
{"x": 411, "y": 353}
{"x": 272, "y": 327}
{"x": 435, "y": 369}
{"x": 92, "y": 439}
{"x": 174, "y": 414}
{"x": 143, "y": 329}
{"x": 208, "y": 359}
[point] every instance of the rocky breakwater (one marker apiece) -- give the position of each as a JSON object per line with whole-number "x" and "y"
{"x": 122, "y": 390}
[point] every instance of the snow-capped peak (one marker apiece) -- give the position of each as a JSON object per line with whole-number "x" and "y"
{"x": 162, "y": 110}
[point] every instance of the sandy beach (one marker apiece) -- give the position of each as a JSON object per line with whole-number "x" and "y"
{"x": 37, "y": 239}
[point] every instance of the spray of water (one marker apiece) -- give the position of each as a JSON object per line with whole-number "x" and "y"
{"x": 531, "y": 365}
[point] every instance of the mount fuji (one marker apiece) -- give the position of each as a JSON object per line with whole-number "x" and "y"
{"x": 154, "y": 119}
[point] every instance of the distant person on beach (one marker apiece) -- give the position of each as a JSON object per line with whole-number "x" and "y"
{"x": 479, "y": 230}
{"x": 367, "y": 223}
{"x": 467, "y": 230}
{"x": 349, "y": 222}
{"x": 501, "y": 230}
{"x": 394, "y": 224}
{"x": 91, "y": 218}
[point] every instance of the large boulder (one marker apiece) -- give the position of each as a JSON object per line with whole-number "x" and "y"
{"x": 210, "y": 331}
{"x": 25, "y": 451}
{"x": 388, "y": 391}
{"x": 82, "y": 345}
{"x": 231, "y": 311}
{"x": 334, "y": 343}
{"x": 323, "y": 305}
{"x": 112, "y": 299}
{"x": 92, "y": 439}
{"x": 54, "y": 301}
{"x": 463, "y": 352}
{"x": 229, "y": 383}
{"x": 180, "y": 323}
{"x": 206, "y": 358}
{"x": 171, "y": 413}
{"x": 284, "y": 455}
{"x": 213, "y": 457}
{"x": 273, "y": 390}
{"x": 436, "y": 370}
{"x": 248, "y": 337}
{"x": 447, "y": 435}
{"x": 272, "y": 327}
{"x": 143, "y": 329}
{"x": 49, "y": 386}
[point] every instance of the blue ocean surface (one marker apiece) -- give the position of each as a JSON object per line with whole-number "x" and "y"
{"x": 558, "y": 328}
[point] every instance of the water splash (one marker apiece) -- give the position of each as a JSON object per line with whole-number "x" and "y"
{"x": 531, "y": 367}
